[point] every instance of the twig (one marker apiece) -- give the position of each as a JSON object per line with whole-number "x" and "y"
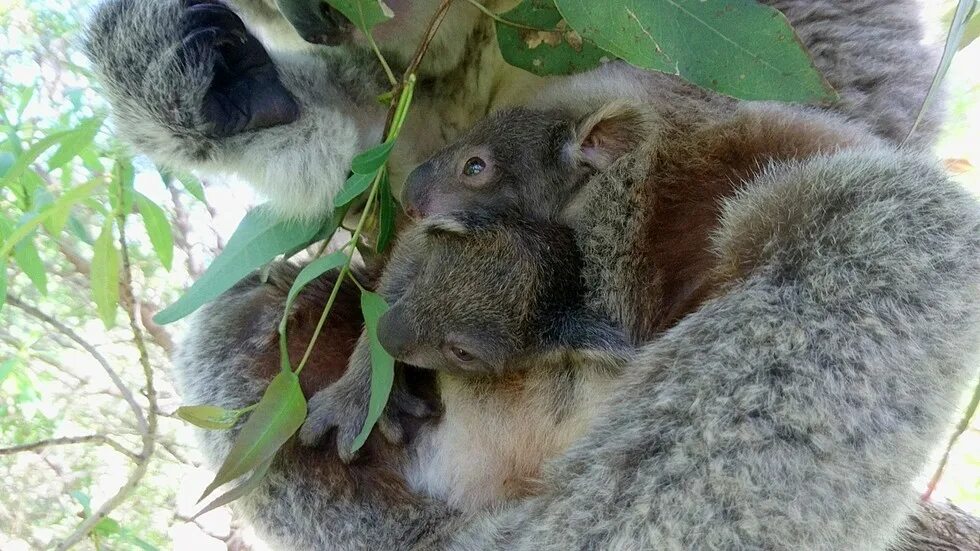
{"x": 92, "y": 438}
{"x": 13, "y": 300}
{"x": 148, "y": 435}
{"x": 971, "y": 410}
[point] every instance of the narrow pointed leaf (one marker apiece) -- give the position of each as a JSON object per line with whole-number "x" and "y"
{"x": 157, "y": 228}
{"x": 73, "y": 143}
{"x": 208, "y": 417}
{"x": 387, "y": 214}
{"x": 277, "y": 417}
{"x": 354, "y": 186}
{"x": 104, "y": 276}
{"x": 382, "y": 364}
{"x": 368, "y": 162}
{"x": 66, "y": 200}
{"x": 310, "y": 272}
{"x": 260, "y": 237}
{"x": 25, "y": 159}
{"x": 251, "y": 483}
{"x": 365, "y": 14}
{"x": 25, "y": 253}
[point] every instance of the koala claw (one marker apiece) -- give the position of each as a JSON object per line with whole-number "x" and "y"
{"x": 343, "y": 407}
{"x": 245, "y": 91}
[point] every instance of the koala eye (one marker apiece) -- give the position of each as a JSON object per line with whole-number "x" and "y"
{"x": 474, "y": 166}
{"x": 461, "y": 355}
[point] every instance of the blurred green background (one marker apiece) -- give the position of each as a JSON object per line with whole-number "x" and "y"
{"x": 51, "y": 388}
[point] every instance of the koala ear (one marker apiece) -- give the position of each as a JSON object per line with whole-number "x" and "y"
{"x": 609, "y": 133}
{"x": 592, "y": 338}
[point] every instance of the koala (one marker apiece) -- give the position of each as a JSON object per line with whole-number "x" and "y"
{"x": 541, "y": 162}
{"x": 237, "y": 87}
{"x": 497, "y": 296}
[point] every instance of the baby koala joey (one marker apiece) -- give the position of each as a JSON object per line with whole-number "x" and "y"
{"x": 530, "y": 160}
{"x": 474, "y": 296}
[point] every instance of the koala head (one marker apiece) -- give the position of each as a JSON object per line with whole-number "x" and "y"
{"x": 529, "y": 160}
{"x": 489, "y": 295}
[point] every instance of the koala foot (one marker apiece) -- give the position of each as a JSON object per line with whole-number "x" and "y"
{"x": 344, "y": 406}
{"x": 245, "y": 92}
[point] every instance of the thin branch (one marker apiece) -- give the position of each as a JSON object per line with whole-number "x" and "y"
{"x": 971, "y": 410}
{"x": 92, "y": 438}
{"x": 149, "y": 435}
{"x": 15, "y": 301}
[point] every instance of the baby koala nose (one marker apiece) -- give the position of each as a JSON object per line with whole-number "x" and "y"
{"x": 394, "y": 334}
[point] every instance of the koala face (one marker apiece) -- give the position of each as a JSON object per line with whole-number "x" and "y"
{"x": 514, "y": 159}
{"x": 486, "y": 299}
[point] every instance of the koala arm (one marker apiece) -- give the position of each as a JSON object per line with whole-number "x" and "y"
{"x": 794, "y": 410}
{"x": 191, "y": 87}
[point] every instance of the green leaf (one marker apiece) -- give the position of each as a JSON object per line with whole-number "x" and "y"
{"x": 971, "y": 31}
{"x": 554, "y": 49}
{"x": 387, "y": 214}
{"x": 310, "y": 272}
{"x": 3, "y": 281}
{"x": 957, "y": 28}
{"x": 104, "y": 276}
{"x": 7, "y": 367}
{"x": 106, "y": 527}
{"x": 251, "y": 483}
{"x": 73, "y": 143}
{"x": 365, "y": 14}
{"x": 259, "y": 238}
{"x": 354, "y": 186}
{"x": 84, "y": 500}
{"x": 737, "y": 47}
{"x": 65, "y": 201}
{"x": 25, "y": 253}
{"x": 368, "y": 162}
{"x": 277, "y": 417}
{"x": 209, "y": 417}
{"x": 382, "y": 364}
{"x": 157, "y": 228}
{"x": 6, "y": 161}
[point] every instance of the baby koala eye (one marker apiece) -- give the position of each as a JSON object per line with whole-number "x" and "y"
{"x": 474, "y": 166}
{"x": 461, "y": 355}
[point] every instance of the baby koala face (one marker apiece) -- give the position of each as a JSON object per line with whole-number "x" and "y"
{"x": 525, "y": 160}
{"x": 488, "y": 298}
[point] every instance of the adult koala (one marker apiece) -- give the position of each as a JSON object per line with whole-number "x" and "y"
{"x": 192, "y": 86}
{"x": 232, "y": 87}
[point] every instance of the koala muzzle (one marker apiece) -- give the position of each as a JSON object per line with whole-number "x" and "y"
{"x": 316, "y": 21}
{"x": 395, "y": 335}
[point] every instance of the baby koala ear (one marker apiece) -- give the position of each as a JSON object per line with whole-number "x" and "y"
{"x": 614, "y": 130}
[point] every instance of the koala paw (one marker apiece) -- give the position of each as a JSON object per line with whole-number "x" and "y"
{"x": 245, "y": 92}
{"x": 344, "y": 406}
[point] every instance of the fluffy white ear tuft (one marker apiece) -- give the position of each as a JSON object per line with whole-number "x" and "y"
{"x": 614, "y": 130}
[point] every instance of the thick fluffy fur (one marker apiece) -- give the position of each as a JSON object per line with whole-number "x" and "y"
{"x": 791, "y": 411}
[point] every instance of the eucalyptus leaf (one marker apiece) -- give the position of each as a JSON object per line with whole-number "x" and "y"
{"x": 65, "y": 201}
{"x": 259, "y": 238}
{"x": 104, "y": 276}
{"x": 368, "y": 162}
{"x": 957, "y": 29}
{"x": 275, "y": 419}
{"x": 310, "y": 272}
{"x": 72, "y": 144}
{"x": 157, "y": 228}
{"x": 26, "y": 255}
{"x": 737, "y": 47}
{"x": 387, "y": 214}
{"x": 251, "y": 483}
{"x": 552, "y": 49}
{"x": 209, "y": 417}
{"x": 354, "y": 186}
{"x": 3, "y": 282}
{"x": 365, "y": 14}
{"x": 382, "y": 364}
{"x": 25, "y": 159}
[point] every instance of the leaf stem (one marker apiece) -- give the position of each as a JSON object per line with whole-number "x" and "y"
{"x": 971, "y": 410}
{"x": 503, "y": 21}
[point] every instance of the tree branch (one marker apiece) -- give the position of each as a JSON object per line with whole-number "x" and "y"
{"x": 67, "y": 440}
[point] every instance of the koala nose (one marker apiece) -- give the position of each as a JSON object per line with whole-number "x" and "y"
{"x": 395, "y": 335}
{"x": 316, "y": 21}
{"x": 414, "y": 194}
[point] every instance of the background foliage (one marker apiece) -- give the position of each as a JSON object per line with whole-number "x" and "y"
{"x": 68, "y": 187}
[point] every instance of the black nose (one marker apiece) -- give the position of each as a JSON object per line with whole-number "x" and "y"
{"x": 414, "y": 193}
{"x": 395, "y": 335}
{"x": 316, "y": 21}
